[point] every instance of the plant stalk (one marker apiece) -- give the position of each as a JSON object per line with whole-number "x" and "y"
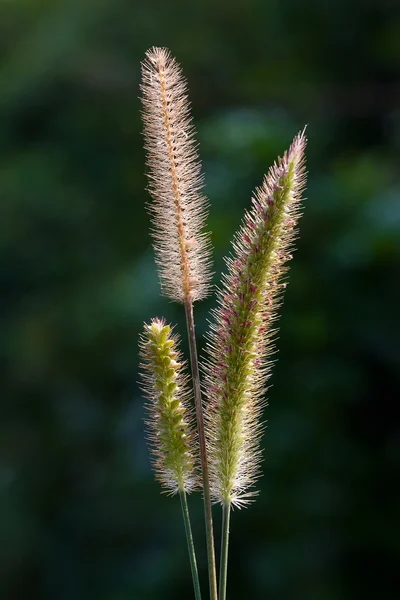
{"x": 212, "y": 573}
{"x": 190, "y": 543}
{"x": 223, "y": 568}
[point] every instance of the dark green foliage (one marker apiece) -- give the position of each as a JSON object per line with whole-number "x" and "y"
{"x": 80, "y": 515}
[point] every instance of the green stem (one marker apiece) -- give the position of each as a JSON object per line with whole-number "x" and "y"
{"x": 212, "y": 572}
{"x": 223, "y": 569}
{"x": 190, "y": 543}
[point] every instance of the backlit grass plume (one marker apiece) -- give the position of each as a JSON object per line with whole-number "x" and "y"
{"x": 172, "y": 440}
{"x": 179, "y": 209}
{"x": 242, "y": 335}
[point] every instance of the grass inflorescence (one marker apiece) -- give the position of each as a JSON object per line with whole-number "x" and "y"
{"x": 225, "y": 441}
{"x": 179, "y": 208}
{"x": 242, "y": 334}
{"x": 170, "y": 416}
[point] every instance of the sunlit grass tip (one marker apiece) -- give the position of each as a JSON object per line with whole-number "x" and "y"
{"x": 178, "y": 209}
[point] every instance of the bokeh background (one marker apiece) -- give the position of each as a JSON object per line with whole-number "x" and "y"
{"x": 80, "y": 515}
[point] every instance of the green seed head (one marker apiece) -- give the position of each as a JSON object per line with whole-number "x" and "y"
{"x": 171, "y": 437}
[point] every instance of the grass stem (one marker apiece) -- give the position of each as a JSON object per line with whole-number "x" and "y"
{"x": 212, "y": 573}
{"x": 223, "y": 568}
{"x": 190, "y": 543}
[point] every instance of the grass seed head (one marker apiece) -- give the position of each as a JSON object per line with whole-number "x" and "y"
{"x": 170, "y": 417}
{"x": 243, "y": 331}
{"x": 178, "y": 209}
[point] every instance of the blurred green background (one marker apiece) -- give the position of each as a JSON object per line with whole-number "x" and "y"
{"x": 80, "y": 515}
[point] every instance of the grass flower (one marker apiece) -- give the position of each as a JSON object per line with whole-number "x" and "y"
{"x": 169, "y": 424}
{"x": 242, "y": 338}
{"x": 179, "y": 209}
{"x": 243, "y": 332}
{"x": 170, "y": 432}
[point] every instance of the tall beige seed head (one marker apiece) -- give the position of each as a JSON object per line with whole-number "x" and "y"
{"x": 243, "y": 330}
{"x": 178, "y": 209}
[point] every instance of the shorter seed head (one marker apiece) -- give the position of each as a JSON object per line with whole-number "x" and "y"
{"x": 169, "y": 422}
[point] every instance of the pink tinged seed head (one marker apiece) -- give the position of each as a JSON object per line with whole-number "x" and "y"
{"x": 236, "y": 373}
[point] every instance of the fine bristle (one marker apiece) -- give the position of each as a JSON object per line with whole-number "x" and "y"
{"x": 243, "y": 331}
{"x": 178, "y": 208}
{"x": 170, "y": 419}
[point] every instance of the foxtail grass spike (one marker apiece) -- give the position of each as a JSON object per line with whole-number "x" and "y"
{"x": 169, "y": 423}
{"x": 243, "y": 331}
{"x": 178, "y": 209}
